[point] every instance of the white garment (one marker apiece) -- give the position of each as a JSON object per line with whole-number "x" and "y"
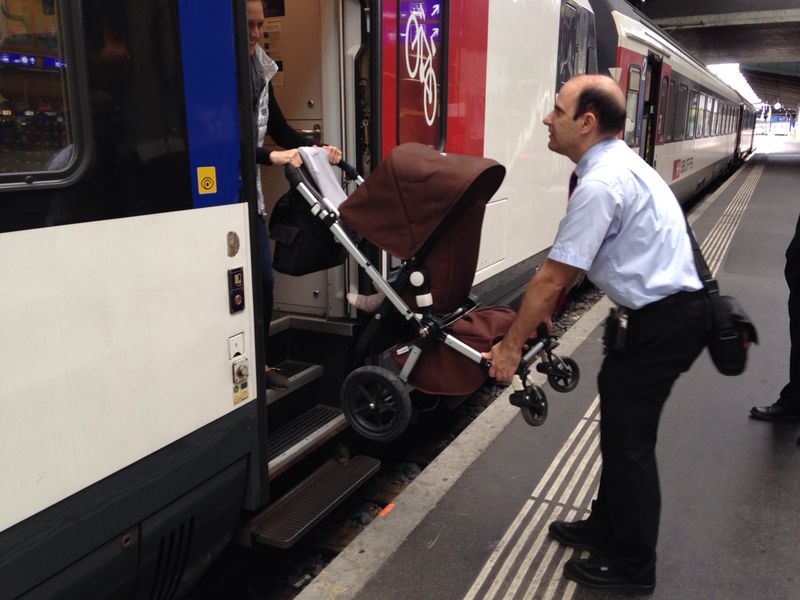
{"x": 268, "y": 68}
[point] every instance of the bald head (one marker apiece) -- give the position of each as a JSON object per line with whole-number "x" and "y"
{"x": 600, "y": 95}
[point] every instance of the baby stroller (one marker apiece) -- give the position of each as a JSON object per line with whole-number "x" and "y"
{"x": 425, "y": 208}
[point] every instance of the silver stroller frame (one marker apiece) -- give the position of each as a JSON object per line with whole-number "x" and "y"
{"x": 393, "y": 398}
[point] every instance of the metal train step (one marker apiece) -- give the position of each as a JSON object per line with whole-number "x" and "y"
{"x": 299, "y": 437}
{"x": 299, "y": 374}
{"x": 283, "y": 523}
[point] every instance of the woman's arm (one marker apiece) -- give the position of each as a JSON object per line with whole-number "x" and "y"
{"x": 279, "y": 130}
{"x": 286, "y": 136}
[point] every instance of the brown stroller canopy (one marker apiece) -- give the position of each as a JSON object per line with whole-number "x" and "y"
{"x": 408, "y": 196}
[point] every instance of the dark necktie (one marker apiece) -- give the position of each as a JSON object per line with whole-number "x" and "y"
{"x": 573, "y": 181}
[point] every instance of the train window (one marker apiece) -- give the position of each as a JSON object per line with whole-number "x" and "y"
{"x": 567, "y": 42}
{"x": 691, "y": 119}
{"x": 713, "y": 106}
{"x": 716, "y": 128}
{"x": 106, "y": 121}
{"x": 589, "y": 39}
{"x": 422, "y": 31}
{"x": 35, "y": 130}
{"x": 577, "y": 46}
{"x": 710, "y": 117}
{"x": 681, "y": 112}
{"x": 586, "y": 49}
{"x": 662, "y": 109}
{"x": 716, "y": 117}
{"x": 701, "y": 116}
{"x": 673, "y": 103}
{"x": 631, "y": 104}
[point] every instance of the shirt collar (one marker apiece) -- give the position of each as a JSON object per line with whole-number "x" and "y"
{"x": 593, "y": 154}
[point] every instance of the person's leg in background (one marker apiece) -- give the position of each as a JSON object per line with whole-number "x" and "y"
{"x": 787, "y": 406}
{"x": 274, "y": 379}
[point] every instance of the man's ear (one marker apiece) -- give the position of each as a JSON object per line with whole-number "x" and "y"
{"x": 588, "y": 122}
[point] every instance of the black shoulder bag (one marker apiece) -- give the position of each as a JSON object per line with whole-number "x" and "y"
{"x": 303, "y": 244}
{"x": 731, "y": 331}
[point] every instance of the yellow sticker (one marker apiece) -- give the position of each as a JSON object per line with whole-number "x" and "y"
{"x": 240, "y": 394}
{"x": 207, "y": 180}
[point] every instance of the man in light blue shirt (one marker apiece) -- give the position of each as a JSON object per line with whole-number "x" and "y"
{"x": 626, "y": 230}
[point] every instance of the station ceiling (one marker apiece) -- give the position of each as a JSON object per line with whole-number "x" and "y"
{"x": 763, "y": 36}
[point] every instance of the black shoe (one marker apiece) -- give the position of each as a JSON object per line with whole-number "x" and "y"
{"x": 776, "y": 412}
{"x": 598, "y": 574}
{"x": 581, "y": 535}
{"x": 276, "y": 381}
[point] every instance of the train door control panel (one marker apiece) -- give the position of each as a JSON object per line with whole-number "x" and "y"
{"x": 236, "y": 290}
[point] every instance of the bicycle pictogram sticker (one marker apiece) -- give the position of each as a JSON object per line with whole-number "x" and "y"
{"x": 419, "y": 52}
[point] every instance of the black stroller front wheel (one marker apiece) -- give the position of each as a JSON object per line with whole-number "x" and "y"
{"x": 376, "y": 403}
{"x": 535, "y": 412}
{"x": 565, "y": 375}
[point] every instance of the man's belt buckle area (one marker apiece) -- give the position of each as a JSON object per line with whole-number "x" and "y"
{"x": 673, "y": 300}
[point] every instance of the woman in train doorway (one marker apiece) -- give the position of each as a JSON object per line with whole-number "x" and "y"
{"x": 268, "y": 119}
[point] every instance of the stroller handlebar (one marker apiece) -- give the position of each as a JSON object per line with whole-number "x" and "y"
{"x": 350, "y": 171}
{"x": 295, "y": 177}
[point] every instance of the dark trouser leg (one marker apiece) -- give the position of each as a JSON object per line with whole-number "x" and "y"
{"x": 790, "y": 394}
{"x": 267, "y": 279}
{"x": 633, "y": 385}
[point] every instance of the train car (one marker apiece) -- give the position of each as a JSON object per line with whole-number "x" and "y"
{"x": 681, "y": 118}
{"x": 138, "y": 437}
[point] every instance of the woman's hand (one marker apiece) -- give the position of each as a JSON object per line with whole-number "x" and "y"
{"x": 334, "y": 154}
{"x": 286, "y": 157}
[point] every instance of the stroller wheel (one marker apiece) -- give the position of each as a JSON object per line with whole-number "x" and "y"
{"x": 376, "y": 403}
{"x": 565, "y": 375}
{"x": 535, "y": 413}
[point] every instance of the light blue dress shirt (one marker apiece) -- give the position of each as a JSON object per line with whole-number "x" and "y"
{"x": 626, "y": 229}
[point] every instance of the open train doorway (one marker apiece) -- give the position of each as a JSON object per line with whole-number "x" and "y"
{"x": 650, "y": 107}
{"x": 315, "y": 44}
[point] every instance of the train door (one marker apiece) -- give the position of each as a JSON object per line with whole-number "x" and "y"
{"x": 129, "y": 407}
{"x": 305, "y": 38}
{"x": 649, "y": 100}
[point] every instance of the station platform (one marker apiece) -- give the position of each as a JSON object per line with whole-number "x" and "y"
{"x": 474, "y": 524}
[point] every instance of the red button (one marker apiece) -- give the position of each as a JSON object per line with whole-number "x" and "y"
{"x": 237, "y": 299}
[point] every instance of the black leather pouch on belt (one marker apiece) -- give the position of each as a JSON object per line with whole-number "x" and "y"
{"x": 615, "y": 336}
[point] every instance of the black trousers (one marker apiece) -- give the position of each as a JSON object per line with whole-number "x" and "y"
{"x": 664, "y": 339}
{"x": 791, "y": 392}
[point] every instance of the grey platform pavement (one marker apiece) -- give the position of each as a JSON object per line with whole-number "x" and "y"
{"x": 473, "y": 524}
